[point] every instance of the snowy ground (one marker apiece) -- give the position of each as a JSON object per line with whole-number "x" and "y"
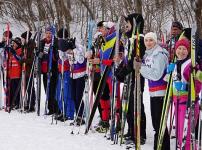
{"x": 31, "y": 132}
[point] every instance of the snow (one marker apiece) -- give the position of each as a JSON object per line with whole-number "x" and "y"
{"x": 31, "y": 132}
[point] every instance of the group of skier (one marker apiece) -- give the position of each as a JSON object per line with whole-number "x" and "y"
{"x": 172, "y": 70}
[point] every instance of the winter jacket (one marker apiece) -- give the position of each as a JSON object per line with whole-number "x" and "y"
{"x": 182, "y": 72}
{"x": 45, "y": 49}
{"x": 77, "y": 61}
{"x": 153, "y": 68}
{"x": 29, "y": 49}
{"x": 15, "y": 68}
{"x": 126, "y": 66}
{"x": 63, "y": 57}
{"x": 106, "y": 50}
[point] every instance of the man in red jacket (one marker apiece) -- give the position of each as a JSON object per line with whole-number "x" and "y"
{"x": 14, "y": 73}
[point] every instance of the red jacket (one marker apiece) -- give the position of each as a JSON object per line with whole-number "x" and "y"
{"x": 15, "y": 68}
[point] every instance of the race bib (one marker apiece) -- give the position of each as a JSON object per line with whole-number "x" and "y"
{"x": 46, "y": 48}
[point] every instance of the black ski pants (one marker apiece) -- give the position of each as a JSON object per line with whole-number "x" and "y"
{"x": 52, "y": 103}
{"x": 156, "y": 105}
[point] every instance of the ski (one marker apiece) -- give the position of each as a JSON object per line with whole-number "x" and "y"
{"x": 23, "y": 100}
{"x": 115, "y": 85}
{"x": 88, "y": 91}
{"x": 38, "y": 70}
{"x": 6, "y": 82}
{"x": 192, "y": 88}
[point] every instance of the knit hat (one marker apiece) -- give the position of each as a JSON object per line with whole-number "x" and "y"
{"x": 17, "y": 40}
{"x": 10, "y": 34}
{"x": 24, "y": 35}
{"x": 60, "y": 33}
{"x": 177, "y": 24}
{"x": 48, "y": 29}
{"x": 151, "y": 35}
{"x": 183, "y": 42}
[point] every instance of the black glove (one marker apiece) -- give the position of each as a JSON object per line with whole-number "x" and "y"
{"x": 71, "y": 43}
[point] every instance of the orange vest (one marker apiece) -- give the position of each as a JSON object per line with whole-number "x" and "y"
{"x": 15, "y": 68}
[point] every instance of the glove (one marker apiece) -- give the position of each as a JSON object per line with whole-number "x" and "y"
{"x": 180, "y": 86}
{"x": 170, "y": 68}
{"x": 136, "y": 64}
{"x": 199, "y": 75}
{"x": 40, "y": 55}
{"x": 71, "y": 43}
{"x": 97, "y": 34}
{"x": 88, "y": 54}
{"x": 107, "y": 62}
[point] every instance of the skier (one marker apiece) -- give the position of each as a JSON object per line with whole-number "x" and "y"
{"x": 181, "y": 78}
{"x": 126, "y": 67}
{"x": 64, "y": 99}
{"x": 28, "y": 48}
{"x": 153, "y": 68}
{"x": 44, "y": 55}
{"x": 93, "y": 57}
{"x": 176, "y": 30}
{"x": 14, "y": 73}
{"x": 107, "y": 33}
{"x": 78, "y": 71}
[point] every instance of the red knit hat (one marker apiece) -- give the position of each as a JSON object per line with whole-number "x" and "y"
{"x": 183, "y": 42}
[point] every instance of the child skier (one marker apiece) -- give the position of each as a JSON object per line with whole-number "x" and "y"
{"x": 64, "y": 99}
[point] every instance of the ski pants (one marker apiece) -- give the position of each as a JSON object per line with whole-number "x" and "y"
{"x": 52, "y": 103}
{"x": 156, "y": 105}
{"x": 66, "y": 95}
{"x": 78, "y": 86}
{"x": 31, "y": 97}
{"x": 95, "y": 86}
{"x": 180, "y": 113}
{"x": 15, "y": 92}
{"x": 105, "y": 100}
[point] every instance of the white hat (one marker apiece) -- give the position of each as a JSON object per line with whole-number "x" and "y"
{"x": 151, "y": 35}
{"x": 108, "y": 24}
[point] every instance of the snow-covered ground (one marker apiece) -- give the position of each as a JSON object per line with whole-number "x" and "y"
{"x": 21, "y": 131}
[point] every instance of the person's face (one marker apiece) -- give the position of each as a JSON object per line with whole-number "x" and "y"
{"x": 48, "y": 35}
{"x": 175, "y": 31}
{"x": 15, "y": 46}
{"x": 181, "y": 52}
{"x": 149, "y": 43}
{"x": 4, "y": 37}
{"x": 128, "y": 26}
{"x": 103, "y": 30}
{"x": 23, "y": 41}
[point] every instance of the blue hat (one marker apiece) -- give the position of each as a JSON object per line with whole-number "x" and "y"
{"x": 48, "y": 28}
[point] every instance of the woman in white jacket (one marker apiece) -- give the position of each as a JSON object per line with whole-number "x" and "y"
{"x": 153, "y": 67}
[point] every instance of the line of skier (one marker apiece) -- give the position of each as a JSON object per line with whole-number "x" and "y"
{"x": 162, "y": 64}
